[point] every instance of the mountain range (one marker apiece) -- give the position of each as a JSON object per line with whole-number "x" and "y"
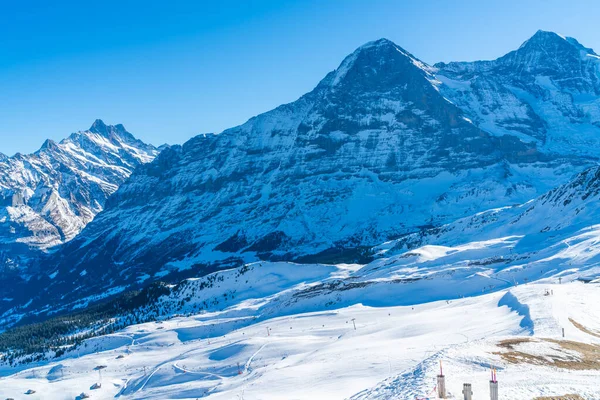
{"x": 385, "y": 149}
{"x": 48, "y": 197}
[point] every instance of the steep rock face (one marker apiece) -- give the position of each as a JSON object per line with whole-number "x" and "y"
{"x": 375, "y": 151}
{"x": 546, "y": 92}
{"x": 48, "y": 197}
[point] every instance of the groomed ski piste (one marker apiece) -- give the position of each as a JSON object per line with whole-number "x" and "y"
{"x": 378, "y": 331}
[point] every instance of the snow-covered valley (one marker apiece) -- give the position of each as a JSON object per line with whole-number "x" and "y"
{"x": 287, "y": 331}
{"x": 392, "y": 354}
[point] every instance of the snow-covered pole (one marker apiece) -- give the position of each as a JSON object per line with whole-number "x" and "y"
{"x": 441, "y": 383}
{"x": 494, "y": 386}
{"x": 467, "y": 392}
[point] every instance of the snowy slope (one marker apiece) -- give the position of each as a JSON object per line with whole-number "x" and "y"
{"x": 393, "y": 353}
{"x": 272, "y": 330}
{"x": 565, "y": 211}
{"x": 48, "y": 197}
{"x": 551, "y": 366}
{"x": 321, "y": 357}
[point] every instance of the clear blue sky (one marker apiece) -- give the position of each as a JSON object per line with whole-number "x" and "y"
{"x": 169, "y": 70}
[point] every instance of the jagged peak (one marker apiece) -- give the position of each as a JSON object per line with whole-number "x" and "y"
{"x": 549, "y": 41}
{"x": 99, "y": 127}
{"x": 109, "y": 131}
{"x": 100, "y": 133}
{"x": 120, "y": 128}
{"x": 376, "y": 53}
{"x": 542, "y": 36}
{"x": 48, "y": 144}
{"x": 536, "y": 52}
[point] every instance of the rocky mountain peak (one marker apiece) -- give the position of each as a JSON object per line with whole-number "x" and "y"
{"x": 553, "y": 55}
{"x": 110, "y": 131}
{"x": 49, "y": 144}
{"x": 553, "y": 42}
{"x": 545, "y": 53}
{"x": 99, "y": 127}
{"x": 383, "y": 84}
{"x": 544, "y": 38}
{"x": 548, "y": 78}
{"x": 380, "y": 62}
{"x": 48, "y": 197}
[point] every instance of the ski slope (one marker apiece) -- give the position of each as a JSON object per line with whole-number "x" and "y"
{"x": 392, "y": 354}
{"x": 277, "y": 330}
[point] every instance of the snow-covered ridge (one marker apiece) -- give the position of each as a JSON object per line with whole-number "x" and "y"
{"x": 381, "y": 148}
{"x": 546, "y": 92}
{"x": 48, "y": 197}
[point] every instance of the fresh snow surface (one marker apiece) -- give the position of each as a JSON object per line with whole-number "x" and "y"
{"x": 235, "y": 352}
{"x": 278, "y": 330}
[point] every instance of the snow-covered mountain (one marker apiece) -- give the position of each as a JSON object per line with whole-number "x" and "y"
{"x": 48, "y": 197}
{"x": 384, "y": 146}
{"x": 547, "y": 92}
{"x": 484, "y": 176}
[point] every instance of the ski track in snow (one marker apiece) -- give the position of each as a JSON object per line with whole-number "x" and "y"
{"x": 393, "y": 354}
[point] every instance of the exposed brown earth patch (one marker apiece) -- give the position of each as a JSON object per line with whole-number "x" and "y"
{"x": 584, "y": 329}
{"x": 564, "y": 354}
{"x": 565, "y": 397}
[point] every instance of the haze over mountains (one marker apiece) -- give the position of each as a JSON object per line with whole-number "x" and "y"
{"x": 383, "y": 147}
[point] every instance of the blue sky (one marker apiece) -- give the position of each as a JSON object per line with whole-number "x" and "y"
{"x": 171, "y": 70}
